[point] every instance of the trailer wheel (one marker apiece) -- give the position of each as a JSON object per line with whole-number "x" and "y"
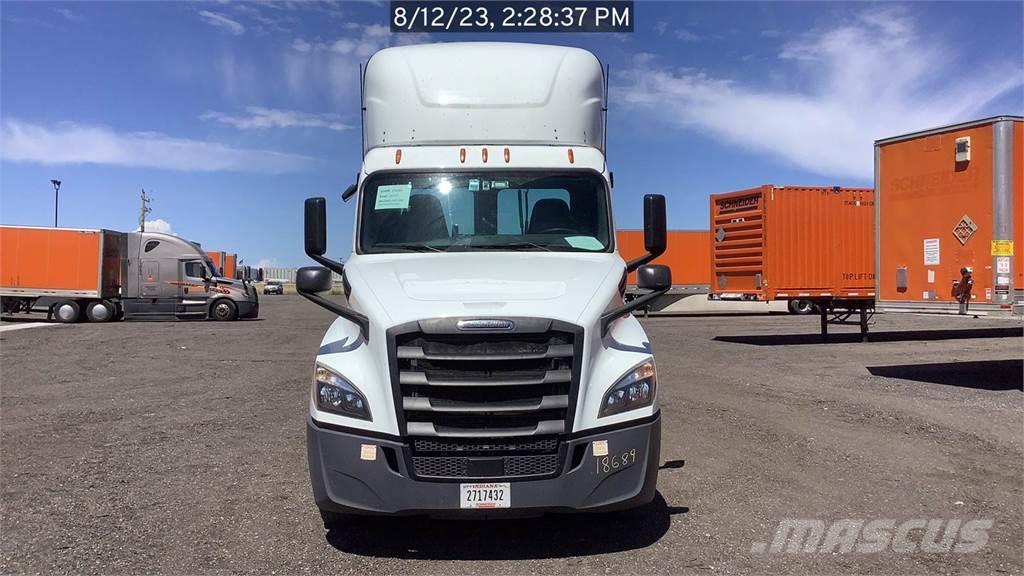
{"x": 801, "y": 306}
{"x": 224, "y": 309}
{"x": 67, "y": 311}
{"x": 100, "y": 311}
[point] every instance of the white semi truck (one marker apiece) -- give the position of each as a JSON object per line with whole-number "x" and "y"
{"x": 484, "y": 361}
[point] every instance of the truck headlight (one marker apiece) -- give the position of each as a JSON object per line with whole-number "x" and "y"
{"x": 338, "y": 395}
{"x": 634, "y": 390}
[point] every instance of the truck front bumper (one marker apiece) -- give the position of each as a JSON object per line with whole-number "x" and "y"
{"x": 248, "y": 310}
{"x": 345, "y": 482}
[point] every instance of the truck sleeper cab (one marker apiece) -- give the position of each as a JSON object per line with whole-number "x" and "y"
{"x": 484, "y": 362}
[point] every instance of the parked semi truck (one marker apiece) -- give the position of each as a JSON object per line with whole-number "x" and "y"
{"x": 101, "y": 275}
{"x": 484, "y": 361}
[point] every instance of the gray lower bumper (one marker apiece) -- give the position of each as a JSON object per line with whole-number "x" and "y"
{"x": 248, "y": 308}
{"x": 343, "y": 482}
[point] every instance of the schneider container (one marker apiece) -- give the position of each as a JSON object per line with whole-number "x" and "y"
{"x": 949, "y": 216}
{"x": 806, "y": 245}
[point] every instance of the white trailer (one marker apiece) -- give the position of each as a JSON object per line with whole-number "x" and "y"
{"x": 485, "y": 361}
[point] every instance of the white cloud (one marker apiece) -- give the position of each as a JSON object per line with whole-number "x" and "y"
{"x": 158, "y": 225}
{"x": 867, "y": 78}
{"x": 257, "y": 118}
{"x": 71, "y": 143}
{"x": 332, "y": 65}
{"x": 68, "y": 14}
{"x": 686, "y": 36}
{"x": 221, "y": 21}
{"x": 770, "y": 33}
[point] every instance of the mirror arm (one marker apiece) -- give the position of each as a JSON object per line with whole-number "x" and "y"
{"x": 608, "y": 317}
{"x": 332, "y": 265}
{"x": 635, "y": 263}
{"x": 343, "y": 311}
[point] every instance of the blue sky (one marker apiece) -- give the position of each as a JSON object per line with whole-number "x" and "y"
{"x": 230, "y": 114}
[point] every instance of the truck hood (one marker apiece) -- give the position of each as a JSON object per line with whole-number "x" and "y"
{"x": 410, "y": 287}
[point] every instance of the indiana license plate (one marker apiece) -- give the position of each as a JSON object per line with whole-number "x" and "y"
{"x": 496, "y": 495}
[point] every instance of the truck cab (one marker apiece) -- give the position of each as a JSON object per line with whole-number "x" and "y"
{"x": 484, "y": 361}
{"x": 167, "y": 277}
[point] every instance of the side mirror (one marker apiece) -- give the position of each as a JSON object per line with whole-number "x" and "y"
{"x": 348, "y": 192}
{"x": 316, "y": 226}
{"x": 655, "y": 235}
{"x": 310, "y": 281}
{"x": 654, "y": 277}
{"x": 313, "y": 279}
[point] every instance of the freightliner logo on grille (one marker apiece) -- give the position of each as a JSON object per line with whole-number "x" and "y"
{"x": 485, "y": 324}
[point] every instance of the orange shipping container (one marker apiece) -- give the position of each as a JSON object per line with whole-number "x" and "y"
{"x": 793, "y": 243}
{"x": 688, "y": 255}
{"x": 951, "y": 198}
{"x": 230, "y": 265}
{"x": 218, "y": 260}
{"x": 60, "y": 261}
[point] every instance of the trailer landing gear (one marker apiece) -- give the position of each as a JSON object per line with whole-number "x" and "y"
{"x": 839, "y": 312}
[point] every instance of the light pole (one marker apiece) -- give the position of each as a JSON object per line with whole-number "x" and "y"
{"x": 56, "y": 199}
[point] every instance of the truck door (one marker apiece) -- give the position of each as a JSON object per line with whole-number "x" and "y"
{"x": 150, "y": 278}
{"x": 194, "y": 288}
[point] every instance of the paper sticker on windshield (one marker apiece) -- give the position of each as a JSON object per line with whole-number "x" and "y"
{"x": 499, "y": 184}
{"x": 474, "y": 185}
{"x": 584, "y": 242}
{"x": 393, "y": 197}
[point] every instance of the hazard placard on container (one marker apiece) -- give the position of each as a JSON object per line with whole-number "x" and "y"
{"x": 1002, "y": 247}
{"x": 931, "y": 252}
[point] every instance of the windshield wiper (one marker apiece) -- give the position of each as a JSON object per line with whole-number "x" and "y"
{"x": 511, "y": 246}
{"x": 411, "y": 247}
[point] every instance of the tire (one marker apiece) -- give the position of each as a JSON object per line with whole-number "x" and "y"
{"x": 801, "y": 307}
{"x": 100, "y": 311}
{"x": 223, "y": 310}
{"x": 67, "y": 311}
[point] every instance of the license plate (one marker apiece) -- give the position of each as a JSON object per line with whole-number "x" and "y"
{"x": 497, "y": 495}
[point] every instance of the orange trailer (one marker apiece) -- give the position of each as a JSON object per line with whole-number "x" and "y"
{"x": 811, "y": 246}
{"x": 230, "y": 265}
{"x": 60, "y": 262}
{"x": 949, "y": 217}
{"x": 688, "y": 255}
{"x": 218, "y": 257}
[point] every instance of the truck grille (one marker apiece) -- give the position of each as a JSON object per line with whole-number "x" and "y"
{"x": 486, "y": 404}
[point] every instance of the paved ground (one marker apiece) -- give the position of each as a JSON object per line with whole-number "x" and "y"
{"x": 179, "y": 448}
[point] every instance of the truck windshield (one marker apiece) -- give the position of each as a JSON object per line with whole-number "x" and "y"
{"x": 515, "y": 211}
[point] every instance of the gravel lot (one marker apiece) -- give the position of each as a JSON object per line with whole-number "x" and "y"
{"x": 179, "y": 448}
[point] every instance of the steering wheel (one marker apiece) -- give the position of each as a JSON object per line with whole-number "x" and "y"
{"x": 558, "y": 231}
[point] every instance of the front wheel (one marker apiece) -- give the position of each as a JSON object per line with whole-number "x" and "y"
{"x": 224, "y": 310}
